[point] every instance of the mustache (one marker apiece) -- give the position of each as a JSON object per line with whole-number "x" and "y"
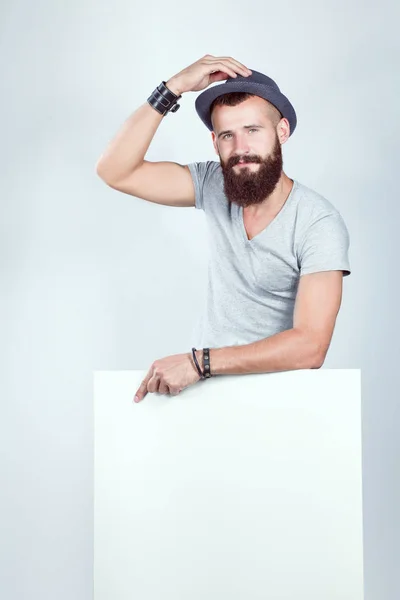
{"x": 234, "y": 160}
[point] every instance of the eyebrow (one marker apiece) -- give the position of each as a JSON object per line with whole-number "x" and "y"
{"x": 244, "y": 127}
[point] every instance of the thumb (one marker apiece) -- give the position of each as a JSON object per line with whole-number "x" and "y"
{"x": 218, "y": 76}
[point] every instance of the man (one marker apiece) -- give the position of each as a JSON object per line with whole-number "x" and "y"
{"x": 279, "y": 250}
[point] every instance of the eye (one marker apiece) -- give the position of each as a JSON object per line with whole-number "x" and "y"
{"x": 224, "y": 137}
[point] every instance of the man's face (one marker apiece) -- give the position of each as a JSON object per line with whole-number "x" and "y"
{"x": 245, "y": 133}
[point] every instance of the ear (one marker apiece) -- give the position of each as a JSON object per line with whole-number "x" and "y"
{"x": 214, "y": 141}
{"x": 283, "y": 130}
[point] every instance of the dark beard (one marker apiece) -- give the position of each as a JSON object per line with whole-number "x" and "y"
{"x": 247, "y": 188}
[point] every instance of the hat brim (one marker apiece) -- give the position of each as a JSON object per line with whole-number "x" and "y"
{"x": 279, "y": 100}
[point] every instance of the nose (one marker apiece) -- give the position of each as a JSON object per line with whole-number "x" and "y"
{"x": 241, "y": 146}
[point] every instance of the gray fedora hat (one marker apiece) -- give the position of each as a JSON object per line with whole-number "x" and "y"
{"x": 256, "y": 83}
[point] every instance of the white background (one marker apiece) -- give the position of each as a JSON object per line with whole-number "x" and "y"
{"x": 94, "y": 279}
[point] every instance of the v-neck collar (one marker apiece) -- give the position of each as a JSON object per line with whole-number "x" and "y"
{"x": 239, "y": 213}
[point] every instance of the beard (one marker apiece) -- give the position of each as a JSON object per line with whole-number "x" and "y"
{"x": 252, "y": 187}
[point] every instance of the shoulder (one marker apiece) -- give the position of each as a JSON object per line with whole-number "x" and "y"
{"x": 317, "y": 216}
{"x": 208, "y": 182}
{"x": 311, "y": 204}
{"x": 205, "y": 169}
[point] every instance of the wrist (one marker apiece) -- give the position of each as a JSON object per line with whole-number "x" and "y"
{"x": 163, "y": 99}
{"x": 199, "y": 354}
{"x": 174, "y": 86}
{"x": 196, "y": 359}
{"x": 201, "y": 361}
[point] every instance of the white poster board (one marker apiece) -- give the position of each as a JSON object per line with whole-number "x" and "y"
{"x": 240, "y": 488}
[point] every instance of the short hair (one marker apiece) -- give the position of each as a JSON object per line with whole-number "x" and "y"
{"x": 234, "y": 98}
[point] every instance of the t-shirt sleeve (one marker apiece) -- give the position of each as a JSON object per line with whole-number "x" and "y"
{"x": 325, "y": 246}
{"x": 201, "y": 174}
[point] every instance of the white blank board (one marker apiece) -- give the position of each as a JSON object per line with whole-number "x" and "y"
{"x": 243, "y": 487}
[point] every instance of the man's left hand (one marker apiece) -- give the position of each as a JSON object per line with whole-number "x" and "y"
{"x": 169, "y": 375}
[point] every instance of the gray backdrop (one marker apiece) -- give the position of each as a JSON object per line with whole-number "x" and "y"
{"x": 93, "y": 279}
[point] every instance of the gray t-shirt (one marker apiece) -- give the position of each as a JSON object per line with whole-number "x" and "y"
{"x": 252, "y": 284}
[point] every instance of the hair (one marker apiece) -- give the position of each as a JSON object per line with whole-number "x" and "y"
{"x": 234, "y": 98}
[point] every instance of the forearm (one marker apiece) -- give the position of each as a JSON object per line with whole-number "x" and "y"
{"x": 285, "y": 351}
{"x": 126, "y": 151}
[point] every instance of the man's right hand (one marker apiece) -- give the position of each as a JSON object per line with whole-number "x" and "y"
{"x": 204, "y": 72}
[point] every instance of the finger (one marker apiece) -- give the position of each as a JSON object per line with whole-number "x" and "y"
{"x": 232, "y": 66}
{"x": 224, "y": 67}
{"x": 142, "y": 391}
{"x": 217, "y": 76}
{"x": 219, "y": 66}
{"x": 237, "y": 64}
{"x": 230, "y": 59}
{"x": 163, "y": 388}
{"x": 153, "y": 383}
{"x": 175, "y": 391}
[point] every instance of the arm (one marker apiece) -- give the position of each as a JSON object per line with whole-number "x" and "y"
{"x": 123, "y": 166}
{"x": 304, "y": 346}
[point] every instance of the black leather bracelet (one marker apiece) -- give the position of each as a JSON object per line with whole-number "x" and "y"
{"x": 196, "y": 362}
{"x": 163, "y": 100}
{"x": 206, "y": 360}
